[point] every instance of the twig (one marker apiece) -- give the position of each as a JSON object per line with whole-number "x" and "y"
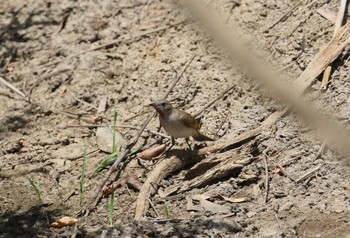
{"x": 326, "y": 55}
{"x": 12, "y": 87}
{"x": 284, "y": 16}
{"x": 245, "y": 136}
{"x": 137, "y": 115}
{"x": 283, "y": 171}
{"x": 338, "y": 24}
{"x": 81, "y": 156}
{"x": 213, "y": 101}
{"x": 266, "y": 179}
{"x": 147, "y": 130}
{"x": 43, "y": 78}
{"x": 320, "y": 151}
{"x": 122, "y": 156}
{"x": 87, "y": 104}
{"x": 118, "y": 126}
{"x": 222, "y": 123}
{"x": 177, "y": 77}
{"x": 153, "y": 207}
{"x": 127, "y": 188}
{"x": 303, "y": 177}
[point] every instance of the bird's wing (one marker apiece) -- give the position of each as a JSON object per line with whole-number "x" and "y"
{"x": 188, "y": 120}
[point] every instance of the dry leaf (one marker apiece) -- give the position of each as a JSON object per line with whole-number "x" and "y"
{"x": 64, "y": 221}
{"x": 233, "y": 199}
{"x": 151, "y": 152}
{"x": 104, "y": 137}
{"x": 107, "y": 190}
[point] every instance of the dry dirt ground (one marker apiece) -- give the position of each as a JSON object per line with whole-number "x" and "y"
{"x": 44, "y": 139}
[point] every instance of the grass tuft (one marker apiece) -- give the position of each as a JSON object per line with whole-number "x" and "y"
{"x": 36, "y": 187}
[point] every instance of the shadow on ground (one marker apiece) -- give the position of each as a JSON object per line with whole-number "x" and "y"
{"x": 30, "y": 223}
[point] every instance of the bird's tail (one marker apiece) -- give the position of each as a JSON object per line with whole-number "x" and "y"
{"x": 201, "y": 137}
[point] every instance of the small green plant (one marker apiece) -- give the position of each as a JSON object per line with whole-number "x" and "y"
{"x": 114, "y": 131}
{"x": 82, "y": 178}
{"x": 115, "y": 152}
{"x": 36, "y": 187}
{"x": 105, "y": 162}
{"x": 110, "y": 209}
{"x": 166, "y": 211}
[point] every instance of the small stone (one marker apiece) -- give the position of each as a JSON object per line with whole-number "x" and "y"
{"x": 251, "y": 214}
{"x": 286, "y": 206}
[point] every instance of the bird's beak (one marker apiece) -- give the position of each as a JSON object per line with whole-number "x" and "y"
{"x": 151, "y": 104}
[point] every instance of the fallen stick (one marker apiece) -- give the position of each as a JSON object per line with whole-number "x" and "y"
{"x": 308, "y": 174}
{"x": 283, "y": 171}
{"x": 164, "y": 168}
{"x": 234, "y": 163}
{"x": 213, "y": 101}
{"x": 12, "y": 87}
{"x": 245, "y": 136}
{"x": 284, "y": 16}
{"x": 326, "y": 55}
{"x": 338, "y": 24}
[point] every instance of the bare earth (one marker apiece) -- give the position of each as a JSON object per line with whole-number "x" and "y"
{"x": 44, "y": 139}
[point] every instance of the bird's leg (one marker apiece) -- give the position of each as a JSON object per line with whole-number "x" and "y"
{"x": 172, "y": 143}
{"x": 188, "y": 143}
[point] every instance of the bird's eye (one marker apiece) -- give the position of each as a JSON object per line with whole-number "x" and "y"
{"x": 163, "y": 104}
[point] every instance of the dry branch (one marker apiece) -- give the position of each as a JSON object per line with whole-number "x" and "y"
{"x": 338, "y": 23}
{"x": 232, "y": 164}
{"x": 213, "y": 101}
{"x": 245, "y": 136}
{"x": 164, "y": 168}
{"x": 12, "y": 87}
{"x": 322, "y": 59}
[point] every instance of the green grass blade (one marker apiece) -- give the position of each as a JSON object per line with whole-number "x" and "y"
{"x": 36, "y": 187}
{"x": 110, "y": 209}
{"x": 166, "y": 211}
{"x": 114, "y": 131}
{"x": 104, "y": 163}
{"x": 82, "y": 177}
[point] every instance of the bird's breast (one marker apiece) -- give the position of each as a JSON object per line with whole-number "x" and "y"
{"x": 175, "y": 128}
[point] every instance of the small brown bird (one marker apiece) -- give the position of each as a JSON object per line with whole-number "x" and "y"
{"x": 177, "y": 123}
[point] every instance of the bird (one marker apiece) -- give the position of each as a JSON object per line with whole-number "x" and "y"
{"x": 178, "y": 123}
